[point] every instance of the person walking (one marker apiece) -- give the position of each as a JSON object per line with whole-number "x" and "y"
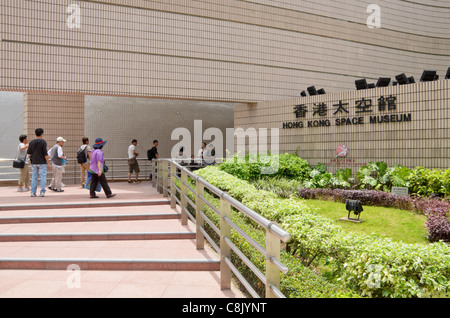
{"x": 84, "y": 159}
{"x": 133, "y": 164}
{"x": 201, "y": 153}
{"x": 153, "y": 154}
{"x": 24, "y": 177}
{"x": 37, "y": 150}
{"x": 56, "y": 155}
{"x": 96, "y": 168}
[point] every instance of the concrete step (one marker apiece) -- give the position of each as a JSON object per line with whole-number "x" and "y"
{"x": 94, "y": 203}
{"x": 111, "y": 264}
{"x": 175, "y": 254}
{"x": 88, "y": 218}
{"x": 95, "y": 236}
{"x": 168, "y": 225}
{"x": 100, "y": 211}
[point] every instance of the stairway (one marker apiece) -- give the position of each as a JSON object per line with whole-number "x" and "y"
{"x": 109, "y": 241}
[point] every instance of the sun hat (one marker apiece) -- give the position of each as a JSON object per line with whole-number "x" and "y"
{"x": 99, "y": 142}
{"x": 60, "y": 139}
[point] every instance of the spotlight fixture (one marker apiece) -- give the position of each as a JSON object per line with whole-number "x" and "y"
{"x": 361, "y": 84}
{"x": 383, "y": 81}
{"x": 394, "y": 83}
{"x": 312, "y": 91}
{"x": 402, "y": 79}
{"x": 447, "y": 76}
{"x": 411, "y": 80}
{"x": 303, "y": 93}
{"x": 371, "y": 85}
{"x": 321, "y": 91}
{"x": 428, "y": 76}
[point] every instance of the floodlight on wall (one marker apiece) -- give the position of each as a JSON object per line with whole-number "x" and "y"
{"x": 303, "y": 93}
{"x": 402, "y": 79}
{"x": 361, "y": 84}
{"x": 428, "y": 76}
{"x": 411, "y": 80}
{"x": 321, "y": 91}
{"x": 383, "y": 81}
{"x": 371, "y": 85}
{"x": 447, "y": 76}
{"x": 394, "y": 83}
{"x": 312, "y": 91}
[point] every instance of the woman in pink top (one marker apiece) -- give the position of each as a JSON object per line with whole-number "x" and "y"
{"x": 96, "y": 169}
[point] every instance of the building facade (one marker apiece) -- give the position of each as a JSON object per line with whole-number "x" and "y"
{"x": 406, "y": 125}
{"x": 210, "y": 51}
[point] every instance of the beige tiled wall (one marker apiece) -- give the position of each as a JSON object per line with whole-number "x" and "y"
{"x": 222, "y": 50}
{"x": 423, "y": 141}
{"x": 59, "y": 115}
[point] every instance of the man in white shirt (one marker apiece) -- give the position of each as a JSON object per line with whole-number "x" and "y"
{"x": 133, "y": 165}
{"x": 57, "y": 156}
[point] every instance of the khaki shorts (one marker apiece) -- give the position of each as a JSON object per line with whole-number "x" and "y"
{"x": 24, "y": 177}
{"x": 134, "y": 168}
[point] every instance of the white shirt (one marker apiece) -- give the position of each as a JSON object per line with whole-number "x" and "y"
{"x": 22, "y": 154}
{"x": 130, "y": 151}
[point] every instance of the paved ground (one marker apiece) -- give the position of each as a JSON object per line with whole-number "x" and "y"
{"x": 136, "y": 232}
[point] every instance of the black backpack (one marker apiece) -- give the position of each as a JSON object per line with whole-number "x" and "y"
{"x": 151, "y": 154}
{"x": 81, "y": 155}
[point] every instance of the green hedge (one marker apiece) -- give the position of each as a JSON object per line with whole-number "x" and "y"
{"x": 370, "y": 265}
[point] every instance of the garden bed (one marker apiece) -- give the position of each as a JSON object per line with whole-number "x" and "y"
{"x": 369, "y": 265}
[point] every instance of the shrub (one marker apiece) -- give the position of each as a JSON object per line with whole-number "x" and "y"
{"x": 253, "y": 167}
{"x": 281, "y": 186}
{"x": 446, "y": 182}
{"x": 318, "y": 177}
{"x": 438, "y": 225}
{"x": 424, "y": 181}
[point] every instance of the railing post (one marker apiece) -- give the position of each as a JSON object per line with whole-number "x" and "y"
{"x": 159, "y": 168}
{"x": 273, "y": 246}
{"x": 199, "y": 206}
{"x": 225, "y": 250}
{"x": 173, "y": 191}
{"x": 153, "y": 162}
{"x": 165, "y": 178}
{"x": 184, "y": 179}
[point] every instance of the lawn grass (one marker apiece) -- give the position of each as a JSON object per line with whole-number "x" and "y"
{"x": 397, "y": 224}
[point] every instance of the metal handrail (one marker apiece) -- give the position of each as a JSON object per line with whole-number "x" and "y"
{"x": 166, "y": 172}
{"x": 118, "y": 170}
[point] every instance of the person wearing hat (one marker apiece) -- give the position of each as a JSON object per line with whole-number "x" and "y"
{"x": 57, "y": 158}
{"x": 96, "y": 168}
